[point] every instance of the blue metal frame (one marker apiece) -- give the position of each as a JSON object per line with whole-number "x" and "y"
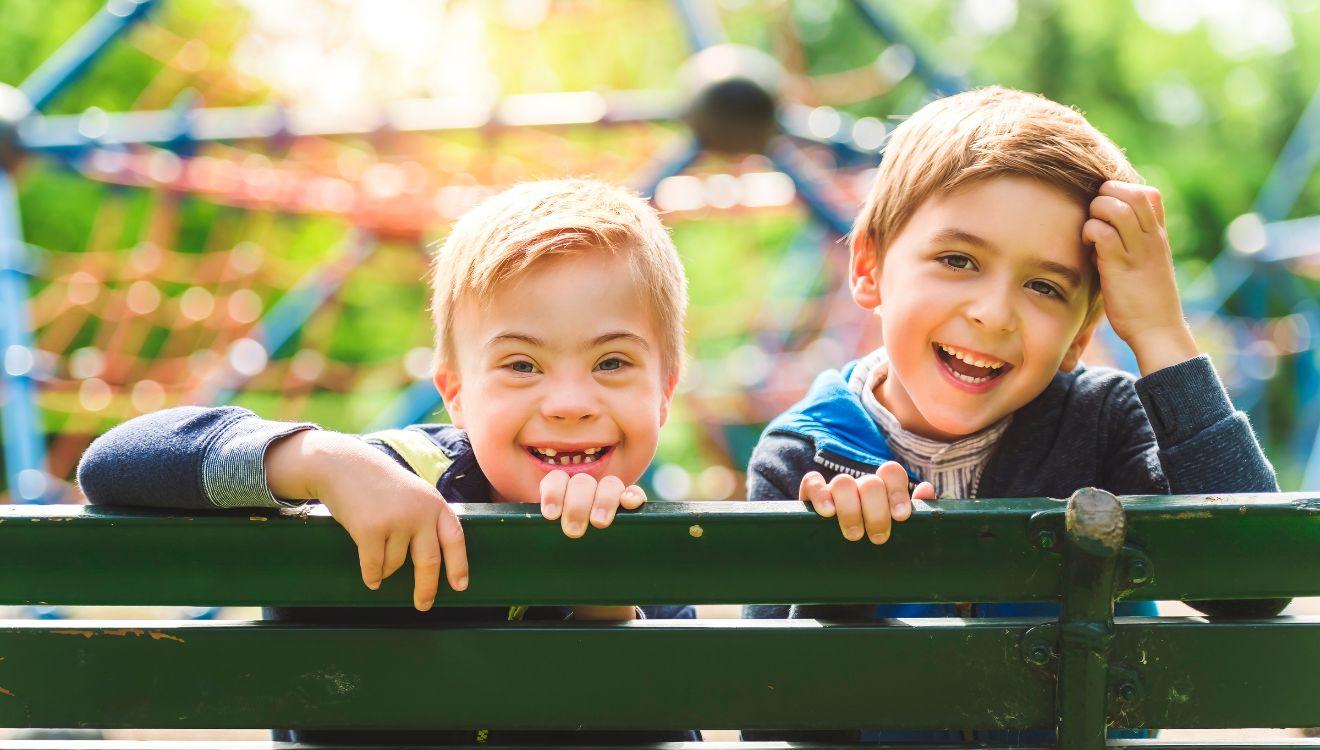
{"x": 63, "y": 68}
{"x": 809, "y": 188}
{"x": 24, "y": 435}
{"x": 283, "y": 321}
{"x": 701, "y": 23}
{"x": 1230, "y": 269}
{"x": 936, "y": 80}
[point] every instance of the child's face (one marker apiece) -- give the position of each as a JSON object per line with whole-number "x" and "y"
{"x": 560, "y": 369}
{"x": 995, "y": 272}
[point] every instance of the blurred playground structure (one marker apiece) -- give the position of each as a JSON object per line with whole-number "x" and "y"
{"x": 273, "y": 256}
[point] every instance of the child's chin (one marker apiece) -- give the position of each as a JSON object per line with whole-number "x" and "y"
{"x": 958, "y": 427}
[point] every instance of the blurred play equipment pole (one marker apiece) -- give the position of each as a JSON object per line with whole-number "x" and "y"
{"x": 24, "y": 434}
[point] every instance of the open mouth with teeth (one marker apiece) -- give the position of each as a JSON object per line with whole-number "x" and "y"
{"x": 968, "y": 367}
{"x": 556, "y": 457}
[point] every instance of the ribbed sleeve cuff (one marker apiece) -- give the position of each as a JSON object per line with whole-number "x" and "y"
{"x": 234, "y": 470}
{"x": 1184, "y": 400}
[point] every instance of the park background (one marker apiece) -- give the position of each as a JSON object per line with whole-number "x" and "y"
{"x": 285, "y": 273}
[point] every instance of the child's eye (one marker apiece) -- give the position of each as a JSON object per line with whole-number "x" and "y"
{"x": 958, "y": 261}
{"x": 1044, "y": 288}
{"x": 522, "y": 367}
{"x": 610, "y": 364}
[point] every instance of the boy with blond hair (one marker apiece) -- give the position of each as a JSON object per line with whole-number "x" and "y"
{"x": 558, "y": 308}
{"x": 999, "y": 227}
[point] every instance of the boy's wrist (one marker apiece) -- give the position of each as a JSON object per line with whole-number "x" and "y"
{"x": 1158, "y": 348}
{"x": 298, "y": 465}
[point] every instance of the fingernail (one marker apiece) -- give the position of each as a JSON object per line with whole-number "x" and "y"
{"x": 550, "y": 511}
{"x": 599, "y": 515}
{"x": 373, "y": 585}
{"x": 573, "y": 529}
{"x": 827, "y": 507}
{"x": 461, "y": 584}
{"x": 879, "y": 538}
{"x": 423, "y": 606}
{"x": 853, "y": 533}
{"x": 901, "y": 509}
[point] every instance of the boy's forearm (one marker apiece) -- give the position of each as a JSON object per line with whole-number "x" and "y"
{"x": 297, "y": 464}
{"x": 1156, "y": 349}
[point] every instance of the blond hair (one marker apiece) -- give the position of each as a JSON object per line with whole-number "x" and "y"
{"x": 509, "y": 232}
{"x": 983, "y": 133}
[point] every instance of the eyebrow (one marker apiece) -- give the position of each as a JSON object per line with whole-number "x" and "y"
{"x": 1070, "y": 274}
{"x": 604, "y": 338}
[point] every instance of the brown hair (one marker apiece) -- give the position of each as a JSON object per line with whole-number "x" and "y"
{"x": 984, "y": 133}
{"x": 511, "y": 231}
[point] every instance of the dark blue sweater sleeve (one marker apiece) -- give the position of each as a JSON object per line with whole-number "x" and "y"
{"x": 185, "y": 457}
{"x": 1202, "y": 445}
{"x": 1205, "y": 445}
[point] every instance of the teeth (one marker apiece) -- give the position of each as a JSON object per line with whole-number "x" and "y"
{"x": 969, "y": 378}
{"x": 556, "y": 457}
{"x": 969, "y": 359}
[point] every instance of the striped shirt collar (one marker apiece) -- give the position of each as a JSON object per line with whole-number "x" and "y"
{"x": 953, "y": 467}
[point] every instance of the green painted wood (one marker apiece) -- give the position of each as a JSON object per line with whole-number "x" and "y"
{"x": 1227, "y": 546}
{"x": 1267, "y": 545}
{"x": 660, "y": 674}
{"x": 666, "y": 553}
{"x": 1247, "y": 673}
{"x": 1095, "y": 529}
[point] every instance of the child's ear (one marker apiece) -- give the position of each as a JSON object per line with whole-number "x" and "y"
{"x": 864, "y": 271}
{"x": 1078, "y": 345}
{"x": 450, "y": 387}
{"x": 671, "y": 382}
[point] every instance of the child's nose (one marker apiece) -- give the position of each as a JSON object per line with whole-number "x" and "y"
{"x": 569, "y": 402}
{"x": 993, "y": 310}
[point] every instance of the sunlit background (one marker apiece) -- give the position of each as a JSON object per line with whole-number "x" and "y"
{"x": 272, "y": 256}
{"x": 235, "y": 202}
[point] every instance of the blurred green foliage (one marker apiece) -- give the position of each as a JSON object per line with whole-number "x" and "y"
{"x": 1201, "y": 112}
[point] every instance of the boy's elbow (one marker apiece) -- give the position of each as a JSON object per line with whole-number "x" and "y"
{"x": 96, "y": 472}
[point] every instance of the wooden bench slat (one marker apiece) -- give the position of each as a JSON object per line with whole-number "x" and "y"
{"x": 656, "y": 674}
{"x": 1242, "y": 673}
{"x": 712, "y": 673}
{"x": 667, "y": 553}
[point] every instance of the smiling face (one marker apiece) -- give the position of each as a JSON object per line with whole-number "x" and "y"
{"x": 982, "y": 297}
{"x": 561, "y": 368}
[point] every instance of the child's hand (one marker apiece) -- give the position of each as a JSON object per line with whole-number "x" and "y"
{"x": 866, "y": 505}
{"x": 572, "y": 500}
{"x": 387, "y": 510}
{"x": 1136, "y": 274}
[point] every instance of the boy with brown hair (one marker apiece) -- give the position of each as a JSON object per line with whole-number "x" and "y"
{"x": 559, "y": 312}
{"x": 999, "y": 226}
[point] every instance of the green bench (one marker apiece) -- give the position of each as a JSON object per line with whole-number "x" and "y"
{"x": 1077, "y": 673}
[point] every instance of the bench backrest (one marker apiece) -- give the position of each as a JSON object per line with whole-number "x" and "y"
{"x": 1078, "y": 672}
